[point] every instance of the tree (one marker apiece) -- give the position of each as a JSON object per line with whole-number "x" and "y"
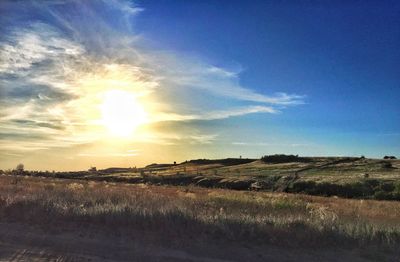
{"x": 20, "y": 168}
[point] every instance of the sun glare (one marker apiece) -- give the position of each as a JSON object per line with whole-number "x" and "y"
{"x": 122, "y": 113}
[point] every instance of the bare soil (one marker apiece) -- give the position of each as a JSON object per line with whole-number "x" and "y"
{"x": 19, "y": 242}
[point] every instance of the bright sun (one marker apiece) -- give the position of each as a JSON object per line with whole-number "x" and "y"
{"x": 122, "y": 113}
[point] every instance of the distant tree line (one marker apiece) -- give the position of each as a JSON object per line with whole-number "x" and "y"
{"x": 225, "y": 162}
{"x": 282, "y": 158}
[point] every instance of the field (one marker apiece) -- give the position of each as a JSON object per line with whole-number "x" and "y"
{"x": 345, "y": 177}
{"x": 47, "y": 218}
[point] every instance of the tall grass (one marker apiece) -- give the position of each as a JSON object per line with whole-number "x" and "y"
{"x": 258, "y": 217}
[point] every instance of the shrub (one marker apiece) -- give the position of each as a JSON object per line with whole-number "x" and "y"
{"x": 386, "y": 187}
{"x": 302, "y": 187}
{"x": 283, "y": 159}
{"x": 387, "y": 165}
{"x": 371, "y": 183}
{"x": 359, "y": 189}
{"x": 397, "y": 187}
{"x": 20, "y": 168}
{"x": 382, "y": 195}
{"x": 363, "y": 189}
{"x": 329, "y": 189}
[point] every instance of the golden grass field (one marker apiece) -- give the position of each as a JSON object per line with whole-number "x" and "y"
{"x": 357, "y": 178}
{"x": 49, "y": 218}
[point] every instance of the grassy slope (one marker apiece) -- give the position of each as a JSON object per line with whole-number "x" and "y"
{"x": 345, "y": 177}
{"x": 333, "y": 176}
{"x": 350, "y": 171}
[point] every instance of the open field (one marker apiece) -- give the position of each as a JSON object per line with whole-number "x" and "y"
{"x": 203, "y": 130}
{"x": 76, "y": 220}
{"x": 325, "y": 176}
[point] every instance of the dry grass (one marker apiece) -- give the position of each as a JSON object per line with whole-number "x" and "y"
{"x": 344, "y": 177}
{"x": 254, "y": 217}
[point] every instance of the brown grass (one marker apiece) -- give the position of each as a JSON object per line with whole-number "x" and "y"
{"x": 253, "y": 217}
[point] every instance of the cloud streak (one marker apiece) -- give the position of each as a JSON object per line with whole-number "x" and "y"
{"x": 53, "y": 72}
{"x": 216, "y": 115}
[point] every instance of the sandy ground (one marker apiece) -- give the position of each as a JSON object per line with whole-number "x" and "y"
{"x": 29, "y": 243}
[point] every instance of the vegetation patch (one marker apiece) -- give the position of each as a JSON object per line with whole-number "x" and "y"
{"x": 280, "y": 158}
{"x": 369, "y": 188}
{"x": 225, "y": 162}
{"x": 251, "y": 217}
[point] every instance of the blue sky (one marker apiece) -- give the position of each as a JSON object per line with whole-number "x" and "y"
{"x": 342, "y": 55}
{"x": 214, "y": 78}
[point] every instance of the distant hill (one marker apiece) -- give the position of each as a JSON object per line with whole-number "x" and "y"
{"x": 116, "y": 170}
{"x": 154, "y": 165}
{"x": 225, "y": 162}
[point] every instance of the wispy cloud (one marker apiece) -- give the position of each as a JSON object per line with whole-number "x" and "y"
{"x": 215, "y": 115}
{"x": 107, "y": 154}
{"x": 52, "y": 74}
{"x": 183, "y": 138}
{"x": 266, "y": 144}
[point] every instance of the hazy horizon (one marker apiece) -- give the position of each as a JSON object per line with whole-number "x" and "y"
{"x": 126, "y": 165}
{"x": 130, "y": 83}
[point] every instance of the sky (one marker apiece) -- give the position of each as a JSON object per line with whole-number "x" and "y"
{"x": 129, "y": 83}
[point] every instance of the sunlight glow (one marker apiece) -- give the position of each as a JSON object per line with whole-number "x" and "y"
{"x": 122, "y": 113}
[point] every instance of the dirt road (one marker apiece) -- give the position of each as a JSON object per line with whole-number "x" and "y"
{"x": 29, "y": 243}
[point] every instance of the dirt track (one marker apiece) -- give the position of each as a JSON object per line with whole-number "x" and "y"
{"x": 27, "y": 243}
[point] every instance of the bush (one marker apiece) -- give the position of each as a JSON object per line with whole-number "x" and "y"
{"x": 386, "y": 187}
{"x": 302, "y": 187}
{"x": 369, "y": 188}
{"x": 371, "y": 183}
{"x": 397, "y": 187}
{"x": 387, "y": 165}
{"x": 356, "y": 190}
{"x": 328, "y": 189}
{"x": 20, "y": 168}
{"x": 283, "y": 159}
{"x": 382, "y": 195}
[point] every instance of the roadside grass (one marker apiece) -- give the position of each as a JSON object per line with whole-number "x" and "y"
{"x": 193, "y": 212}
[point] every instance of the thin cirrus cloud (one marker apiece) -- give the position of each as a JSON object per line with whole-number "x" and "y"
{"x": 263, "y": 144}
{"x": 215, "y": 115}
{"x": 48, "y": 71}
